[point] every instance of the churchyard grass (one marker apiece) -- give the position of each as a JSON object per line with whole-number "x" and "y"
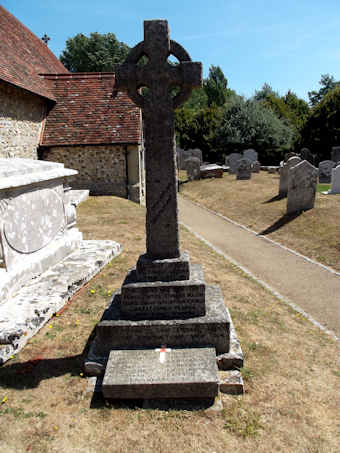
{"x": 292, "y": 369}
{"x": 255, "y": 204}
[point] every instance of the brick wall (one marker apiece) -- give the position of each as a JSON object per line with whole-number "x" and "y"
{"x": 21, "y": 116}
{"x": 102, "y": 169}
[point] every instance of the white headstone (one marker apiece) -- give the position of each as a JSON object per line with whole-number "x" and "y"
{"x": 302, "y": 183}
{"x": 335, "y": 187}
{"x": 284, "y": 174}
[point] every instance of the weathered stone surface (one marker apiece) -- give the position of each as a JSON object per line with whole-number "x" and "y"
{"x": 166, "y": 270}
{"x": 233, "y": 359}
{"x": 34, "y": 304}
{"x": 325, "y": 171}
{"x": 158, "y": 112}
{"x": 284, "y": 173}
{"x": 302, "y": 181}
{"x": 244, "y": 169}
{"x": 306, "y": 154}
{"x": 213, "y": 329}
{"x": 164, "y": 300}
{"x": 192, "y": 165}
{"x": 256, "y": 167}
{"x": 287, "y": 156}
{"x": 335, "y": 183}
{"x": 183, "y": 155}
{"x": 336, "y": 154}
{"x": 250, "y": 154}
{"x": 231, "y": 382}
{"x": 161, "y": 373}
{"x": 232, "y": 161}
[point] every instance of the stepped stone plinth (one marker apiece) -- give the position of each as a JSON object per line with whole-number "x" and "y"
{"x": 159, "y": 337}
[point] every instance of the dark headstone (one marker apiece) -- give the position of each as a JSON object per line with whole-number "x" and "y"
{"x": 244, "y": 169}
{"x": 336, "y": 154}
{"x": 192, "y": 165}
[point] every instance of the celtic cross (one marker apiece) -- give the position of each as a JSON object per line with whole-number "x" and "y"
{"x": 158, "y": 104}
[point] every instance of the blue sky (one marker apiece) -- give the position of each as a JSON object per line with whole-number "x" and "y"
{"x": 287, "y": 44}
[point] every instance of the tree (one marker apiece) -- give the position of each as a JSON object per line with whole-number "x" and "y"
{"x": 215, "y": 87}
{"x": 322, "y": 130}
{"x": 327, "y": 83}
{"x": 96, "y": 53}
{"x": 249, "y": 123}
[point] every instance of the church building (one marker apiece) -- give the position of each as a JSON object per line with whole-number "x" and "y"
{"x": 79, "y": 119}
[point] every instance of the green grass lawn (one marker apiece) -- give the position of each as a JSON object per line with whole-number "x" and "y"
{"x": 323, "y": 187}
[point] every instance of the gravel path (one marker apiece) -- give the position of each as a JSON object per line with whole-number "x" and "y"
{"x": 306, "y": 285}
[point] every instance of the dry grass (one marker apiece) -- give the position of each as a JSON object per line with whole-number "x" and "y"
{"x": 292, "y": 370}
{"x": 254, "y": 203}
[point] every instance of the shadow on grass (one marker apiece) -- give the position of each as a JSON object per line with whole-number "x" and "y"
{"x": 29, "y": 374}
{"x": 276, "y": 198}
{"x": 287, "y": 218}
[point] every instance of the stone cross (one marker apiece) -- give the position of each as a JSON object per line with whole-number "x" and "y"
{"x": 158, "y": 104}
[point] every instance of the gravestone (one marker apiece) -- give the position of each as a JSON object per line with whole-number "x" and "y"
{"x": 256, "y": 167}
{"x": 302, "y": 181}
{"x": 232, "y": 161}
{"x": 336, "y": 154}
{"x": 284, "y": 174}
{"x": 193, "y": 168}
{"x": 164, "y": 308}
{"x": 244, "y": 169}
{"x": 335, "y": 183}
{"x": 306, "y": 154}
{"x": 183, "y": 155}
{"x": 325, "y": 171}
{"x": 250, "y": 154}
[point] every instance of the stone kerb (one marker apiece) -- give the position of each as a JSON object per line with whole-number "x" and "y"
{"x": 193, "y": 165}
{"x": 244, "y": 168}
{"x": 284, "y": 174}
{"x": 302, "y": 183}
{"x": 325, "y": 171}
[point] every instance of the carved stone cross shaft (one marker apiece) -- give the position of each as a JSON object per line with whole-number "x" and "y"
{"x": 158, "y": 104}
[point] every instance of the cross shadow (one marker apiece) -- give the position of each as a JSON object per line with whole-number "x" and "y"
{"x": 29, "y": 374}
{"x": 287, "y": 218}
{"x": 276, "y": 198}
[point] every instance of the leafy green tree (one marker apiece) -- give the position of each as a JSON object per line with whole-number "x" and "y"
{"x": 249, "y": 123}
{"x": 327, "y": 83}
{"x": 265, "y": 92}
{"x": 96, "y": 53}
{"x": 215, "y": 87}
{"x": 322, "y": 130}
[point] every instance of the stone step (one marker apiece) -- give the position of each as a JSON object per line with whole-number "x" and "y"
{"x": 161, "y": 373}
{"x": 213, "y": 329}
{"x": 164, "y": 300}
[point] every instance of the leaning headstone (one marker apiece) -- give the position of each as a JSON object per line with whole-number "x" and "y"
{"x": 325, "y": 171}
{"x": 193, "y": 168}
{"x": 335, "y": 183}
{"x": 244, "y": 169}
{"x": 232, "y": 161}
{"x": 284, "y": 174}
{"x": 336, "y": 154}
{"x": 160, "y": 335}
{"x": 302, "y": 181}
{"x": 250, "y": 154}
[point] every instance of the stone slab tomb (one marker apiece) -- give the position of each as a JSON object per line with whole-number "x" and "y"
{"x": 302, "y": 183}
{"x": 325, "y": 171}
{"x": 163, "y": 333}
{"x": 244, "y": 168}
{"x": 43, "y": 259}
{"x": 284, "y": 174}
{"x": 211, "y": 171}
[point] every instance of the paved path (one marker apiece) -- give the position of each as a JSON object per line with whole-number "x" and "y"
{"x": 307, "y": 285}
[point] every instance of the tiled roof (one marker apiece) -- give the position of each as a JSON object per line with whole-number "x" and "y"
{"x": 89, "y": 111}
{"x": 23, "y": 56}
